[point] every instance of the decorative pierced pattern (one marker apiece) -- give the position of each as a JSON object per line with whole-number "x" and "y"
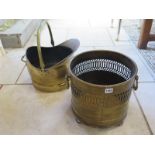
{"x": 76, "y": 92}
{"x": 124, "y": 96}
{"x": 100, "y": 100}
{"x": 89, "y": 99}
{"x": 102, "y": 65}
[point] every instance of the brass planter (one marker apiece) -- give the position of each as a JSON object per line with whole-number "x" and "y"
{"x": 101, "y": 85}
{"x": 48, "y": 65}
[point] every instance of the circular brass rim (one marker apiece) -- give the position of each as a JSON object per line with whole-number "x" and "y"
{"x": 97, "y": 85}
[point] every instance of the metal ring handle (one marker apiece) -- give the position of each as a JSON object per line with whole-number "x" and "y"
{"x": 67, "y": 77}
{"x": 135, "y": 85}
{"x": 22, "y": 59}
{"x": 41, "y": 61}
{"x": 67, "y": 82}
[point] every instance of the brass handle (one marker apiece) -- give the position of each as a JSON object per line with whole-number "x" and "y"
{"x": 135, "y": 85}
{"x": 22, "y": 59}
{"x": 68, "y": 81}
{"x": 41, "y": 61}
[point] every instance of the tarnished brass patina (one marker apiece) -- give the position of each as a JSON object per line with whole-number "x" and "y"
{"x": 101, "y": 84}
{"x": 48, "y": 65}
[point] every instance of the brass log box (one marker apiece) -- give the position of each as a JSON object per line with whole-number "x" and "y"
{"x": 101, "y": 85}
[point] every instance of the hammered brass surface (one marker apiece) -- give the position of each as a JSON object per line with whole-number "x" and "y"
{"x": 92, "y": 105}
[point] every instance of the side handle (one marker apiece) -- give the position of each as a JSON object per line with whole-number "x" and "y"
{"x": 66, "y": 83}
{"x": 22, "y": 59}
{"x": 135, "y": 85}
